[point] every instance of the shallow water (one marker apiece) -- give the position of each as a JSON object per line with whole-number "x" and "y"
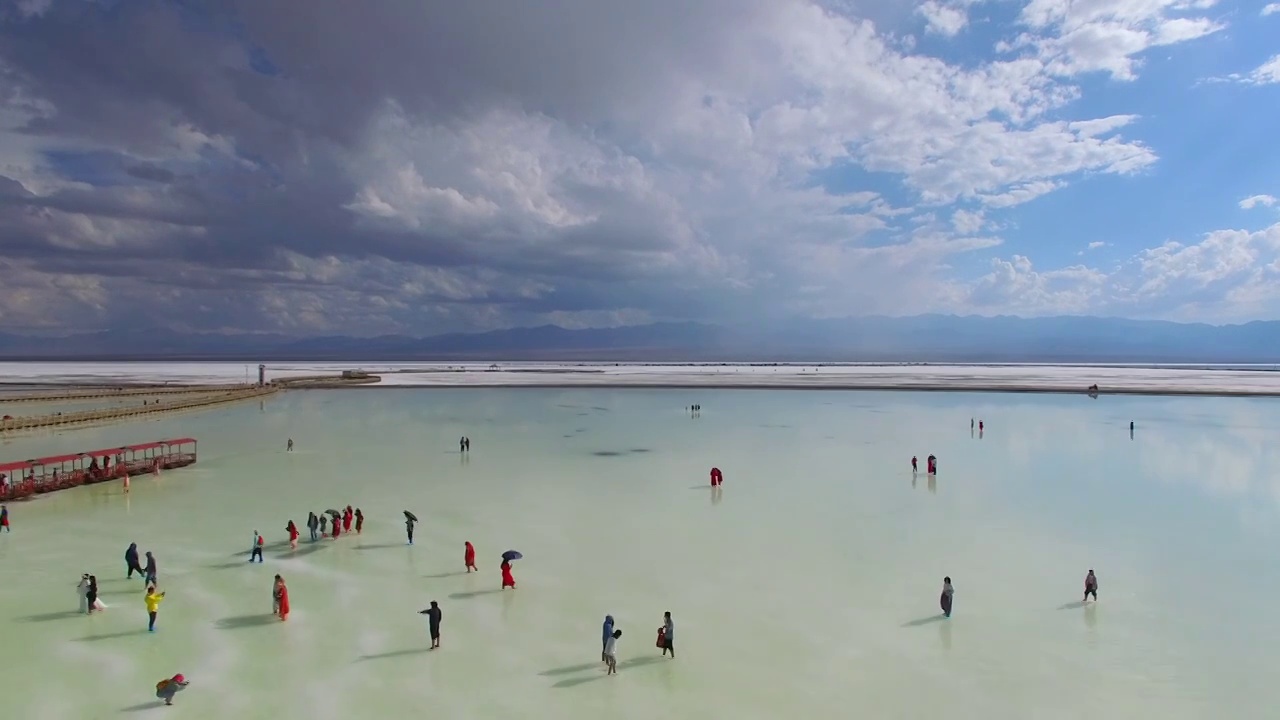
{"x": 808, "y": 586}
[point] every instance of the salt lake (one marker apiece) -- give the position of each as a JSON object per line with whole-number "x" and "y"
{"x": 808, "y": 586}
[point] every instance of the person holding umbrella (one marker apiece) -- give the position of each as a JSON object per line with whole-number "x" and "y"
{"x": 409, "y": 520}
{"x": 508, "y": 581}
{"x": 434, "y": 616}
{"x": 335, "y": 519}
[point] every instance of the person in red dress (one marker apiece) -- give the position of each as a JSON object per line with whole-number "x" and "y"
{"x": 469, "y": 557}
{"x": 507, "y": 580}
{"x": 281, "y": 596}
{"x": 293, "y": 535}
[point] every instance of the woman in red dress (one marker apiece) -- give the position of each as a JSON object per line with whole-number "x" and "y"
{"x": 507, "y": 580}
{"x": 293, "y": 535}
{"x": 469, "y": 557}
{"x": 281, "y": 594}
{"x": 346, "y": 520}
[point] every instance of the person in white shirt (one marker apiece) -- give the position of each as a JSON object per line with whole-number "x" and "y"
{"x": 611, "y": 652}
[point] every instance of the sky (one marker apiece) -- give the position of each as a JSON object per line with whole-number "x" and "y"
{"x": 316, "y": 167}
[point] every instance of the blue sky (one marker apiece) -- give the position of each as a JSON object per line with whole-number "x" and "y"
{"x": 425, "y": 166}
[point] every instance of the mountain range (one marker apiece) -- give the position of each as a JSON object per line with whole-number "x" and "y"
{"x": 923, "y": 338}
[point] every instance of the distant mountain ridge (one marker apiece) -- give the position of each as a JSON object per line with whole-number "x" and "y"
{"x": 922, "y": 338}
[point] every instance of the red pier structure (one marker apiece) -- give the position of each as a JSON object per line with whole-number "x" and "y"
{"x": 31, "y": 477}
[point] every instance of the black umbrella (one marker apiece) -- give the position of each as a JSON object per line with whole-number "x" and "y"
{"x": 410, "y": 516}
{"x": 511, "y": 555}
{"x": 333, "y": 512}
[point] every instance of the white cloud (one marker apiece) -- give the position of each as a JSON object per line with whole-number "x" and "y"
{"x": 1228, "y": 275}
{"x": 1254, "y": 201}
{"x": 968, "y": 222}
{"x": 1074, "y": 37}
{"x": 944, "y": 18}
{"x": 1268, "y": 73}
{"x": 1096, "y": 245}
{"x": 1271, "y": 9}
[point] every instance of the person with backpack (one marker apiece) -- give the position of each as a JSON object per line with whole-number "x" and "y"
{"x": 258, "y": 542}
{"x": 167, "y": 688}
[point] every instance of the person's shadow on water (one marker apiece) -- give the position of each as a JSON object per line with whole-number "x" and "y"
{"x": 113, "y": 636}
{"x": 245, "y": 621}
{"x": 394, "y": 654}
{"x": 625, "y": 664}
{"x": 141, "y": 707}
{"x": 50, "y": 617}
{"x": 925, "y": 621}
{"x": 473, "y": 594}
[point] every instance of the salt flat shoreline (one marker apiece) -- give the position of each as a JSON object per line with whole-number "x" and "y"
{"x": 1028, "y": 379}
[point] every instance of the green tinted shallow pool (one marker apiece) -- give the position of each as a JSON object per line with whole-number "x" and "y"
{"x": 808, "y": 587}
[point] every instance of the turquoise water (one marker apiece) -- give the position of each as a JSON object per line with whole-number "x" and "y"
{"x": 807, "y": 587}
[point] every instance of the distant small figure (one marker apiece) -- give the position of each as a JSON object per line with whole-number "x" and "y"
{"x": 469, "y": 556}
{"x": 313, "y": 525}
{"x": 948, "y": 592}
{"x": 280, "y": 598}
{"x": 256, "y": 552}
{"x": 82, "y": 592}
{"x": 668, "y": 635}
{"x": 408, "y": 528}
{"x": 151, "y": 573}
{"x": 348, "y": 516}
{"x": 1130, "y": 427}
{"x": 915, "y": 467}
{"x": 434, "y": 616}
{"x": 466, "y": 441}
{"x": 932, "y": 462}
{"x": 167, "y": 688}
{"x": 717, "y": 477}
{"x": 4, "y": 519}
{"x": 293, "y": 535}
{"x": 1090, "y": 586}
{"x": 981, "y": 426}
{"x": 152, "y": 599}
{"x": 131, "y": 562}
{"x": 462, "y": 444}
{"x": 611, "y": 652}
{"x": 324, "y": 525}
{"x": 289, "y": 447}
{"x": 359, "y": 521}
{"x": 971, "y": 423}
{"x": 604, "y": 640}
{"x": 91, "y": 595}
